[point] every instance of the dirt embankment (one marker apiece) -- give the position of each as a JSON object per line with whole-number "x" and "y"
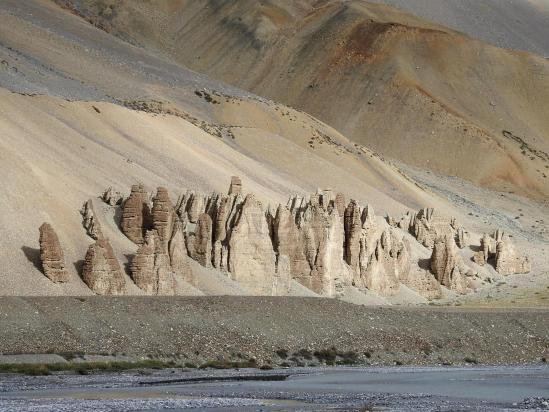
{"x": 277, "y": 331}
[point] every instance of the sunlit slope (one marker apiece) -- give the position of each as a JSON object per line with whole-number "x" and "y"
{"x": 81, "y": 110}
{"x": 408, "y": 88}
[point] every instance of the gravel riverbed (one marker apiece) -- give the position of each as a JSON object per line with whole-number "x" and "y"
{"x": 305, "y": 389}
{"x": 271, "y": 331}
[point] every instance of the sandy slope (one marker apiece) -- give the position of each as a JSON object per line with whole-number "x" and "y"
{"x": 408, "y": 88}
{"x": 56, "y": 154}
{"x": 79, "y": 134}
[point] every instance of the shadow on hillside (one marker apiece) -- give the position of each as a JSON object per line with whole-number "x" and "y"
{"x": 475, "y": 248}
{"x": 425, "y": 264}
{"x": 33, "y": 256}
{"x": 79, "y": 266}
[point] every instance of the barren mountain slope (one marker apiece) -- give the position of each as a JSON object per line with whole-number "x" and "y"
{"x": 110, "y": 114}
{"x": 512, "y": 24}
{"x": 81, "y": 110}
{"x": 408, "y": 88}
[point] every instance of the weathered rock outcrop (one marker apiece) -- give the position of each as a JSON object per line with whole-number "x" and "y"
{"x": 288, "y": 241}
{"x": 177, "y": 251}
{"x": 209, "y": 221}
{"x": 317, "y": 241}
{"x": 163, "y": 216}
{"x": 111, "y": 197}
{"x": 500, "y": 251}
{"x": 236, "y": 186}
{"x": 429, "y": 225}
{"x": 51, "y": 255}
{"x": 353, "y": 234}
{"x": 323, "y": 238}
{"x": 252, "y": 259}
{"x": 339, "y": 204}
{"x": 90, "y": 221}
{"x": 136, "y": 218}
{"x": 508, "y": 260}
{"x": 102, "y": 272}
{"x": 447, "y": 265}
{"x": 199, "y": 242}
{"x": 388, "y": 265}
{"x": 461, "y": 238}
{"x": 150, "y": 268}
{"x": 380, "y": 261}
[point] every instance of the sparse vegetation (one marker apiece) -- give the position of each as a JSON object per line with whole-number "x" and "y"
{"x": 228, "y": 364}
{"x": 304, "y": 353}
{"x": 327, "y": 356}
{"x": 82, "y": 368}
{"x": 72, "y": 355}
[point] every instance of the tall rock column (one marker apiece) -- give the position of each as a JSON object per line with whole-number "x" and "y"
{"x": 200, "y": 242}
{"x": 353, "y": 233}
{"x": 150, "y": 268}
{"x": 136, "y": 218}
{"x": 447, "y": 265}
{"x": 178, "y": 254}
{"x": 339, "y": 204}
{"x": 252, "y": 260}
{"x": 220, "y": 231}
{"x": 102, "y": 272}
{"x": 508, "y": 260}
{"x": 288, "y": 241}
{"x": 323, "y": 244}
{"x": 51, "y": 255}
{"x": 236, "y": 186}
{"x": 90, "y": 221}
{"x": 387, "y": 266}
{"x": 163, "y": 216}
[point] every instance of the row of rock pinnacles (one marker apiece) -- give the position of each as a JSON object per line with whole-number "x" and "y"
{"x": 320, "y": 241}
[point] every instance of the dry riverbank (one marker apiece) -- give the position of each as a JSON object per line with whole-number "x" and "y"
{"x": 270, "y": 331}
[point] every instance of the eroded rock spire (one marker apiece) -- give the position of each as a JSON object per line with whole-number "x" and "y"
{"x": 51, "y": 255}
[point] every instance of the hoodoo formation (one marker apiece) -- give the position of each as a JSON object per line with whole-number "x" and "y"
{"x": 385, "y": 110}
{"x": 51, "y": 255}
{"x": 499, "y": 250}
{"x": 151, "y": 269}
{"x": 135, "y": 215}
{"x": 101, "y": 271}
{"x": 447, "y": 265}
{"x": 90, "y": 222}
{"x": 317, "y": 242}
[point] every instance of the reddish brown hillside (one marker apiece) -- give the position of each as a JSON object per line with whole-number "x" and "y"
{"x": 410, "y": 89}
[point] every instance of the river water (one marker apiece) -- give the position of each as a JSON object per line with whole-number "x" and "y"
{"x": 341, "y": 389}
